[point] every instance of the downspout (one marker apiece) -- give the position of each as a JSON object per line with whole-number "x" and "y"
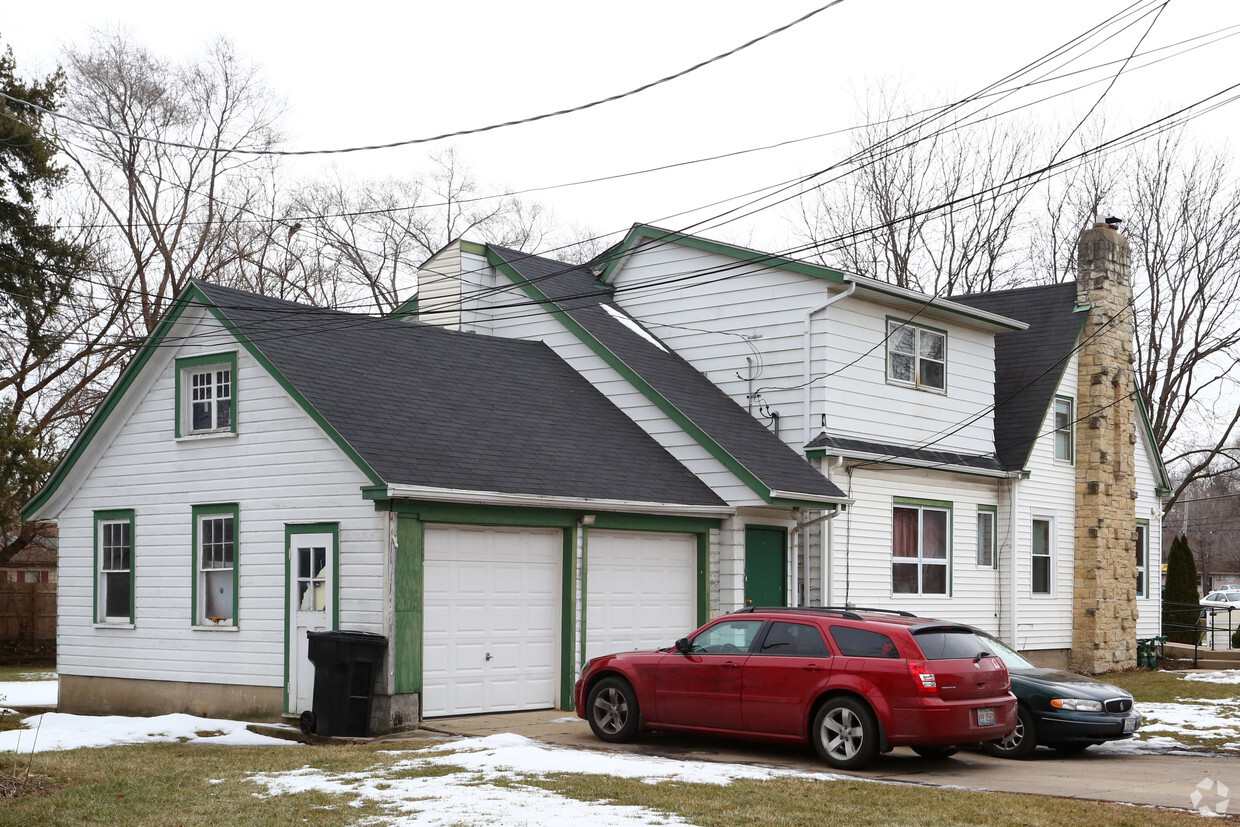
{"x": 798, "y": 536}
{"x": 809, "y": 355}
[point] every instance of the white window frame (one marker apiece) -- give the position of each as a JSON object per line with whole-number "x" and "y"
{"x": 108, "y": 565}
{"x": 1064, "y": 433}
{"x": 922, "y": 507}
{"x": 219, "y": 370}
{"x": 1048, "y": 558}
{"x": 1143, "y": 558}
{"x": 216, "y": 564}
{"x": 988, "y": 557}
{"x": 919, "y": 359}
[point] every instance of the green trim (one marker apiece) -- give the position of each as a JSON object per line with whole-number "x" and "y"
{"x": 915, "y": 385}
{"x": 1163, "y": 488}
{"x": 291, "y": 530}
{"x": 473, "y": 248}
{"x": 409, "y": 307}
{"x": 181, "y": 415}
{"x": 716, "y": 450}
{"x": 115, "y": 515}
{"x": 637, "y": 522}
{"x": 610, "y": 259}
{"x": 993, "y": 510}
{"x": 410, "y": 568}
{"x": 946, "y": 504}
{"x": 703, "y": 577}
{"x": 192, "y": 296}
{"x": 522, "y": 517}
{"x": 568, "y": 613}
{"x": 215, "y": 510}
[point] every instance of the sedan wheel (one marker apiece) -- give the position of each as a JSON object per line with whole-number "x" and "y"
{"x": 1020, "y": 742}
{"x": 845, "y": 734}
{"x": 612, "y": 710}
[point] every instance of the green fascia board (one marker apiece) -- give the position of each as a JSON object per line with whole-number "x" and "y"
{"x": 606, "y": 263}
{"x": 534, "y": 517}
{"x": 568, "y": 614}
{"x": 632, "y": 377}
{"x": 610, "y": 259}
{"x": 191, "y": 296}
{"x": 1164, "y": 480}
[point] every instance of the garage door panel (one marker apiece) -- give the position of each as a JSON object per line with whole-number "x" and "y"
{"x": 490, "y": 592}
{"x": 641, "y": 590}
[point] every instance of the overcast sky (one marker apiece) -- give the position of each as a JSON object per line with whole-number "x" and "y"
{"x": 363, "y": 72}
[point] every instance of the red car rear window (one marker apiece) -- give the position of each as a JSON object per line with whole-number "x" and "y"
{"x": 861, "y": 643}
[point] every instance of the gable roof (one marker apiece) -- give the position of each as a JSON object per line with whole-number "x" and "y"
{"x": 1030, "y": 363}
{"x": 421, "y": 407}
{"x": 573, "y": 294}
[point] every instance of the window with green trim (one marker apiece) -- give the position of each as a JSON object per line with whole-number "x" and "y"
{"x": 916, "y": 356}
{"x": 987, "y": 533}
{"x": 114, "y": 566}
{"x": 1064, "y": 423}
{"x": 206, "y": 395}
{"x": 921, "y": 548}
{"x": 215, "y": 565}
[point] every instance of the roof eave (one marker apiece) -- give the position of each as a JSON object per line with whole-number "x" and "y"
{"x": 469, "y": 497}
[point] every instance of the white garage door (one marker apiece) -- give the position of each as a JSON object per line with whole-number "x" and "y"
{"x": 641, "y": 590}
{"x": 491, "y": 619}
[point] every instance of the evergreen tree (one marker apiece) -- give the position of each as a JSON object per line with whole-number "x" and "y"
{"x": 1180, "y": 598}
{"x": 36, "y": 270}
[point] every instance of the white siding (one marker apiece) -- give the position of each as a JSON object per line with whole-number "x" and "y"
{"x": 1149, "y": 507}
{"x": 279, "y": 468}
{"x": 1045, "y": 621}
{"x": 752, "y": 328}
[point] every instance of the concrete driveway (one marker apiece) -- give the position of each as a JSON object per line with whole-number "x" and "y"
{"x": 1150, "y": 779}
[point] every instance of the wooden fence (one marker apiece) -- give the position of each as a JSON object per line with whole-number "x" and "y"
{"x": 27, "y": 614}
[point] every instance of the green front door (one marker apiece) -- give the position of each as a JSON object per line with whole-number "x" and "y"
{"x": 765, "y": 569}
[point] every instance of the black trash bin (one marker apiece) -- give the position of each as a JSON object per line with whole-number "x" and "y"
{"x": 345, "y": 664}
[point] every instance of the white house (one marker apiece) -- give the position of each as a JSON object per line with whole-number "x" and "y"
{"x": 951, "y": 424}
{"x": 264, "y": 469}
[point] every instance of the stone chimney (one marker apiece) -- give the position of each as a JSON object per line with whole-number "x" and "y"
{"x": 1104, "y": 628}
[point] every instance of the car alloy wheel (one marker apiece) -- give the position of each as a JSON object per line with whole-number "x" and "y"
{"x": 1020, "y": 742}
{"x": 845, "y": 734}
{"x": 612, "y": 710}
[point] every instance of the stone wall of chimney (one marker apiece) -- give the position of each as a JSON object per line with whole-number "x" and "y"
{"x": 1104, "y": 632}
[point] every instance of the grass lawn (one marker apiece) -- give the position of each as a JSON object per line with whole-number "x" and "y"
{"x": 205, "y": 786}
{"x": 1168, "y": 687}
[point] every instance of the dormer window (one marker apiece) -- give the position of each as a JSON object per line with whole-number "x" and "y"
{"x": 916, "y": 356}
{"x": 206, "y": 395}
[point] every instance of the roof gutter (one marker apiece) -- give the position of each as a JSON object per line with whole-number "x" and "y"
{"x": 433, "y": 494}
{"x": 806, "y": 395}
{"x": 810, "y": 498}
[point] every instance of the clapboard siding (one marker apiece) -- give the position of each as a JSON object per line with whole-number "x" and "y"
{"x": 280, "y": 468}
{"x": 1045, "y": 621}
{"x": 758, "y": 313}
{"x": 1149, "y": 608}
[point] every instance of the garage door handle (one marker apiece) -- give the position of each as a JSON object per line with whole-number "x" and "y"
{"x": 489, "y": 655}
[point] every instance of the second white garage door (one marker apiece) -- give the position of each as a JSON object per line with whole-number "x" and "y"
{"x": 491, "y": 615}
{"x": 641, "y": 590}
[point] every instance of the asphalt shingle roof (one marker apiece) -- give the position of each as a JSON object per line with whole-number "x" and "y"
{"x": 577, "y": 292}
{"x": 426, "y": 406}
{"x": 1028, "y": 363}
{"x": 887, "y": 450}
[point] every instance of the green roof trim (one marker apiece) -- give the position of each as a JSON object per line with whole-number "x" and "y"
{"x": 716, "y": 450}
{"x": 192, "y": 296}
{"x": 473, "y": 248}
{"x": 610, "y": 258}
{"x": 1163, "y": 488}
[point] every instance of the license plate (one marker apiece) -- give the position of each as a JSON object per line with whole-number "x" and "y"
{"x": 986, "y": 716}
{"x": 1130, "y": 724}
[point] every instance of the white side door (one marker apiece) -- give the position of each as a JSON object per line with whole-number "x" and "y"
{"x": 310, "y": 589}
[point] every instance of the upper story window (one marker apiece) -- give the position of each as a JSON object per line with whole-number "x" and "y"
{"x": 916, "y": 356}
{"x": 206, "y": 395}
{"x": 1064, "y": 422}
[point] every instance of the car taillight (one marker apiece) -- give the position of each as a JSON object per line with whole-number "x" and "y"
{"x": 922, "y": 676}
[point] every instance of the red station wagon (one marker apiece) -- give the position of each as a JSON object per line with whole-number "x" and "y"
{"x": 853, "y": 682}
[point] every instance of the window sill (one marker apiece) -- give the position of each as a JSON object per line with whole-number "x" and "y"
{"x": 207, "y": 435}
{"x": 114, "y": 625}
{"x": 214, "y": 628}
{"x": 910, "y": 386}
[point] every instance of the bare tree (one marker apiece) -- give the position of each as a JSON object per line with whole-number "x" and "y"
{"x": 883, "y": 217}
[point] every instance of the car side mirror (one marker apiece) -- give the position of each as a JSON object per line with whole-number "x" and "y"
{"x": 683, "y": 646}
